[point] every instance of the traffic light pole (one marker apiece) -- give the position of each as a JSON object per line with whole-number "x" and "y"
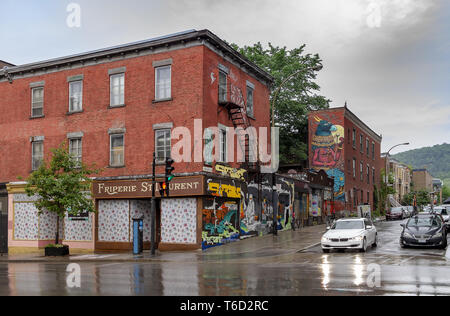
{"x": 153, "y": 210}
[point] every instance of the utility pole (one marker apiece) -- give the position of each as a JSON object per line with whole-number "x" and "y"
{"x": 153, "y": 209}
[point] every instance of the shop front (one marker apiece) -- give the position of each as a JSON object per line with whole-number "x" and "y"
{"x": 178, "y": 217}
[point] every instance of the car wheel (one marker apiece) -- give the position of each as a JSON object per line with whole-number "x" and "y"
{"x": 326, "y": 250}
{"x": 375, "y": 244}
{"x": 402, "y": 245}
{"x": 364, "y": 247}
{"x": 444, "y": 245}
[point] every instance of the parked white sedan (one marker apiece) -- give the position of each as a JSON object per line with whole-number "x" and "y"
{"x": 350, "y": 234}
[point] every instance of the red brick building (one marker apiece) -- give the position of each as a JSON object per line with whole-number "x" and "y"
{"x": 348, "y": 150}
{"x": 115, "y": 107}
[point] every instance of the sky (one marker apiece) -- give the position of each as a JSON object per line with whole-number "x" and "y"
{"x": 388, "y": 59}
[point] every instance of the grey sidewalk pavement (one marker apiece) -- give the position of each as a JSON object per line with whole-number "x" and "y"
{"x": 285, "y": 243}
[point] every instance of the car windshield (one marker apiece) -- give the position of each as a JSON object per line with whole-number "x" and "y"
{"x": 423, "y": 222}
{"x": 348, "y": 225}
{"x": 397, "y": 210}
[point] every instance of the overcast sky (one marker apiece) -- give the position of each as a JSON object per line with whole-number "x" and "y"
{"x": 389, "y": 59}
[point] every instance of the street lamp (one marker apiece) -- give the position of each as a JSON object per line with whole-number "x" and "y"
{"x": 387, "y": 166}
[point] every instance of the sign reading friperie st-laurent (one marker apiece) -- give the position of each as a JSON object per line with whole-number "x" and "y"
{"x": 186, "y": 186}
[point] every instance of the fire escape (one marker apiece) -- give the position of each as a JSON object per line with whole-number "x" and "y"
{"x": 234, "y": 102}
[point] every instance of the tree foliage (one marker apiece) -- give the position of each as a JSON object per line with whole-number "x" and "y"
{"x": 61, "y": 185}
{"x": 296, "y": 97}
{"x": 422, "y": 198}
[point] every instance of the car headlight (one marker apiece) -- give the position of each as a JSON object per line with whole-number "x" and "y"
{"x": 358, "y": 238}
{"x": 438, "y": 235}
{"x": 325, "y": 239}
{"x": 408, "y": 235}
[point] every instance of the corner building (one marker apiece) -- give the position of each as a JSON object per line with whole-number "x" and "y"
{"x": 116, "y": 106}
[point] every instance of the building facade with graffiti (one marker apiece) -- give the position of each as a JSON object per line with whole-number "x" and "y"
{"x": 117, "y": 106}
{"x": 347, "y": 150}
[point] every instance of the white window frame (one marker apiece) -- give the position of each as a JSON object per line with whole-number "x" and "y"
{"x": 71, "y": 110}
{"x": 33, "y": 157}
{"x": 167, "y": 145}
{"x": 221, "y": 72}
{"x": 33, "y": 102}
{"x": 111, "y": 136}
{"x": 157, "y": 96}
{"x": 78, "y": 157}
{"x": 121, "y": 90}
{"x": 223, "y": 143}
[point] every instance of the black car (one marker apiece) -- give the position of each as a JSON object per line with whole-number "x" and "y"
{"x": 424, "y": 230}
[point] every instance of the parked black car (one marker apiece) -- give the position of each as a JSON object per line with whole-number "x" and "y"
{"x": 424, "y": 230}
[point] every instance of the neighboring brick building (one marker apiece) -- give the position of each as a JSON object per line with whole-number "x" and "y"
{"x": 348, "y": 150}
{"x": 402, "y": 177}
{"x": 422, "y": 180}
{"x": 5, "y": 64}
{"x": 111, "y": 106}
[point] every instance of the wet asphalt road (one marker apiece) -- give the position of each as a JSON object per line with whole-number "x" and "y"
{"x": 386, "y": 270}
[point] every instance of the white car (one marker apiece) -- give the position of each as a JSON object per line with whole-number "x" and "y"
{"x": 443, "y": 211}
{"x": 350, "y": 234}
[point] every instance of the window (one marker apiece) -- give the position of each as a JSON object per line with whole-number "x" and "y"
{"x": 361, "y": 171}
{"x": 368, "y": 174}
{"x": 163, "y": 83}
{"x": 76, "y": 96}
{"x": 250, "y": 101}
{"x": 222, "y": 86}
{"x": 373, "y": 151}
{"x": 75, "y": 149}
{"x": 117, "y": 90}
{"x": 367, "y": 147}
{"x": 354, "y": 168}
{"x": 37, "y": 154}
{"x": 354, "y": 138}
{"x": 117, "y": 150}
{"x": 368, "y": 197}
{"x": 373, "y": 175}
{"x": 37, "y": 102}
{"x": 163, "y": 145}
{"x": 361, "y": 143}
{"x": 223, "y": 145}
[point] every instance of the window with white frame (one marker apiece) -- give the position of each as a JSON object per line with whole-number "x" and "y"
{"x": 354, "y": 168}
{"x": 250, "y": 94}
{"x": 163, "y": 143}
{"x": 117, "y": 150}
{"x": 117, "y": 89}
{"x": 163, "y": 83}
{"x": 37, "y": 102}
{"x": 37, "y": 154}
{"x": 361, "y": 171}
{"x": 223, "y": 89}
{"x": 76, "y": 96}
{"x": 75, "y": 149}
{"x": 223, "y": 145}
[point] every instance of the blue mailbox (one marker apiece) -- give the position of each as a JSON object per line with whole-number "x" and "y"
{"x": 138, "y": 235}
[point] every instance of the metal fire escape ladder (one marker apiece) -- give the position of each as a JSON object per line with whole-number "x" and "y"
{"x": 236, "y": 108}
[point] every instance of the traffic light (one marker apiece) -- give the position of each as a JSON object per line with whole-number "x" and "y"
{"x": 164, "y": 186}
{"x": 169, "y": 175}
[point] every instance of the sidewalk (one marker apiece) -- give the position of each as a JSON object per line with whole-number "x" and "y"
{"x": 285, "y": 243}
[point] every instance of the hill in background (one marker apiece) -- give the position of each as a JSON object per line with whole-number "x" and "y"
{"x": 435, "y": 159}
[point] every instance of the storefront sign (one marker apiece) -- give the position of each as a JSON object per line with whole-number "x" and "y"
{"x": 186, "y": 186}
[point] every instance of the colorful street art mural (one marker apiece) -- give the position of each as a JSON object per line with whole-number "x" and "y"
{"x": 327, "y": 151}
{"x": 220, "y": 222}
{"x": 238, "y": 210}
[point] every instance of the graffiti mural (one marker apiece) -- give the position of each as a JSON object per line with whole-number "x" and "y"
{"x": 327, "y": 150}
{"x": 220, "y": 222}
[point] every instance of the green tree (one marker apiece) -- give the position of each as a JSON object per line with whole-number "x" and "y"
{"x": 61, "y": 185}
{"x": 385, "y": 190}
{"x": 445, "y": 193}
{"x": 422, "y": 198}
{"x": 298, "y": 96}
